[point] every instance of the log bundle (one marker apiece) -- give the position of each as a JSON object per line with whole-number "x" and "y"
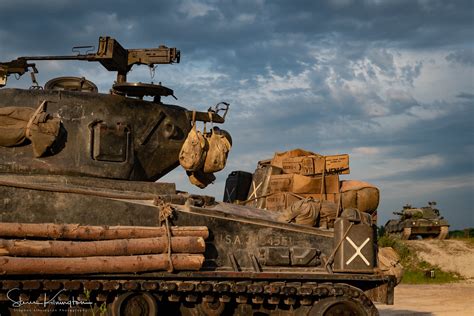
{"x": 81, "y": 249}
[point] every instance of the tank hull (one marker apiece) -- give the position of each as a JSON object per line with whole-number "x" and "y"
{"x": 252, "y": 261}
{"x": 410, "y": 229}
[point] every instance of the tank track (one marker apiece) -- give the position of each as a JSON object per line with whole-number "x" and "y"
{"x": 443, "y": 232}
{"x": 150, "y": 297}
{"x": 407, "y": 233}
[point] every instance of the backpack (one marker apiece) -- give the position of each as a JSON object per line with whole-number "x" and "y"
{"x": 193, "y": 151}
{"x": 218, "y": 151}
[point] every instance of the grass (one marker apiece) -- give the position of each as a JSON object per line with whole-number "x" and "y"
{"x": 466, "y": 235}
{"x": 416, "y": 271}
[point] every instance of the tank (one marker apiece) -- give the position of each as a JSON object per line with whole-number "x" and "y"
{"x": 86, "y": 228}
{"x": 413, "y": 222}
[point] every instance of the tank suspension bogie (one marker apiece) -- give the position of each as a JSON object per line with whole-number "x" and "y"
{"x": 144, "y": 298}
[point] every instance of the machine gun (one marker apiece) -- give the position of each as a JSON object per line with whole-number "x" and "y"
{"x": 113, "y": 57}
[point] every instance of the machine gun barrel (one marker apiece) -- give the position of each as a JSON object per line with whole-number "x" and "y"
{"x": 109, "y": 53}
{"x": 66, "y": 57}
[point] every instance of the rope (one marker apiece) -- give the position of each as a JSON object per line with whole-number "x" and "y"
{"x": 166, "y": 212}
{"x": 42, "y": 187}
{"x": 255, "y": 198}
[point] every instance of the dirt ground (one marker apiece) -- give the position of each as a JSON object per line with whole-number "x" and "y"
{"x": 444, "y": 299}
{"x": 450, "y": 255}
{"x": 438, "y": 299}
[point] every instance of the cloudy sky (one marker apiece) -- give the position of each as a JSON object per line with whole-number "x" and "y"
{"x": 389, "y": 82}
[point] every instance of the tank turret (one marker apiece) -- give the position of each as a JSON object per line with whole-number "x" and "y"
{"x": 68, "y": 128}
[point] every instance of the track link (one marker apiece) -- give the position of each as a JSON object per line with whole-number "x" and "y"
{"x": 120, "y": 297}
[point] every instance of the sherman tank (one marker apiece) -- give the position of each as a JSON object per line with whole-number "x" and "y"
{"x": 424, "y": 222}
{"x": 86, "y": 228}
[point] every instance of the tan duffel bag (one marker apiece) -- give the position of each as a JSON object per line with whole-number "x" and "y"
{"x": 360, "y": 195}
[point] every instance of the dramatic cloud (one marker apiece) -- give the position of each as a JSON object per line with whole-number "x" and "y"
{"x": 389, "y": 82}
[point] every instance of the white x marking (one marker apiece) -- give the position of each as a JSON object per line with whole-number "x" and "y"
{"x": 358, "y": 249}
{"x": 229, "y": 195}
{"x": 254, "y": 191}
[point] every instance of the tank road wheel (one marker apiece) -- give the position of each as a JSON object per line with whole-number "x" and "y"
{"x": 343, "y": 306}
{"x": 443, "y": 232}
{"x": 406, "y": 233}
{"x": 215, "y": 308}
{"x": 134, "y": 304}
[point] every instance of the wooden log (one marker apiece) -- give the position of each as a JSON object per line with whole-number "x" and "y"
{"x": 116, "y": 247}
{"x": 93, "y": 265}
{"x": 84, "y": 232}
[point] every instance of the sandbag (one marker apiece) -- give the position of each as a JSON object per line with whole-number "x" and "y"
{"x": 218, "y": 150}
{"x": 193, "y": 151}
{"x": 18, "y": 124}
{"x": 360, "y": 195}
{"x": 389, "y": 263}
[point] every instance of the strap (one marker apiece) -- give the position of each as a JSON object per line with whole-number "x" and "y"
{"x": 33, "y": 118}
{"x": 323, "y": 182}
{"x": 256, "y": 198}
{"x": 194, "y": 120}
{"x": 331, "y": 257}
{"x": 210, "y": 120}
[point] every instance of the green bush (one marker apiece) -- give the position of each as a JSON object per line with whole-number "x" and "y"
{"x": 465, "y": 233}
{"x": 399, "y": 246}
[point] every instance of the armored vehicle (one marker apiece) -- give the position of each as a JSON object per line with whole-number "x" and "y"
{"x": 424, "y": 222}
{"x": 85, "y": 228}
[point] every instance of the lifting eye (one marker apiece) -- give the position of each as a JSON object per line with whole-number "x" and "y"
{"x": 171, "y": 131}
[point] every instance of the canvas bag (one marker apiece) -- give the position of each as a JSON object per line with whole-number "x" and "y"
{"x": 193, "y": 151}
{"x": 17, "y": 124}
{"x": 303, "y": 212}
{"x": 200, "y": 179}
{"x": 389, "y": 262}
{"x": 219, "y": 147}
{"x": 360, "y": 195}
